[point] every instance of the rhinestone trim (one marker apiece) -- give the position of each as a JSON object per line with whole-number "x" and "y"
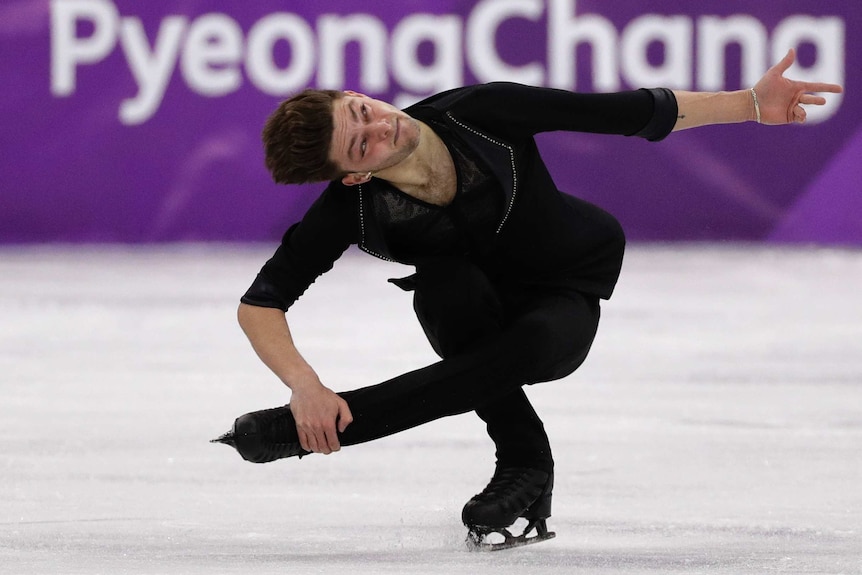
{"x": 511, "y": 160}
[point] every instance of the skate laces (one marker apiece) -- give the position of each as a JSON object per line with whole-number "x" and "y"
{"x": 276, "y": 429}
{"x": 512, "y": 483}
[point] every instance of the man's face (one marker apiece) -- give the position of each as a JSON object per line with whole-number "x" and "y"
{"x": 370, "y": 135}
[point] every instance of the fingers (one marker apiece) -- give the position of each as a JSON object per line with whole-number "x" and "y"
{"x": 822, "y": 87}
{"x": 314, "y": 442}
{"x": 321, "y": 436}
{"x": 304, "y": 441}
{"x": 799, "y": 115}
{"x": 786, "y": 62}
{"x": 812, "y": 100}
{"x": 319, "y": 439}
{"x": 325, "y": 439}
{"x": 319, "y": 415}
{"x": 329, "y": 439}
{"x": 345, "y": 418}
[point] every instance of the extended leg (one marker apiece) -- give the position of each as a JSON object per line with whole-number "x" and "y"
{"x": 491, "y": 348}
{"x": 547, "y": 341}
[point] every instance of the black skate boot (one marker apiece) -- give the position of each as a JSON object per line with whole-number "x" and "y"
{"x": 264, "y": 436}
{"x": 513, "y": 493}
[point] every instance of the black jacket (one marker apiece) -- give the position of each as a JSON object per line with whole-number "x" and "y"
{"x": 543, "y": 237}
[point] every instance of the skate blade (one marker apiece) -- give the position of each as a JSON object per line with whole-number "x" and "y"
{"x": 228, "y": 438}
{"x": 477, "y": 541}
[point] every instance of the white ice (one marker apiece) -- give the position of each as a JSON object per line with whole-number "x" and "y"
{"x": 715, "y": 428}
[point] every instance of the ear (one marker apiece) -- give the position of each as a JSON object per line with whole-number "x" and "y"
{"x": 356, "y": 178}
{"x": 352, "y": 93}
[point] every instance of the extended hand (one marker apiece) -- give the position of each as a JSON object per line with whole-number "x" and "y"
{"x": 319, "y": 413}
{"x": 780, "y": 98}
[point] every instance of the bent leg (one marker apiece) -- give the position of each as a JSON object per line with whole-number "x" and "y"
{"x": 458, "y": 308}
{"x": 517, "y": 432}
{"x": 548, "y": 340}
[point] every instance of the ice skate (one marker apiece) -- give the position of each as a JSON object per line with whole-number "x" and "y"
{"x": 264, "y": 436}
{"x": 495, "y": 539}
{"x": 513, "y": 493}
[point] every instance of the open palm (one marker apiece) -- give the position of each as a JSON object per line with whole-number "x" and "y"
{"x": 781, "y": 98}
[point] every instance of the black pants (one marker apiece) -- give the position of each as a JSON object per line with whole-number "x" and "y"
{"x": 493, "y": 340}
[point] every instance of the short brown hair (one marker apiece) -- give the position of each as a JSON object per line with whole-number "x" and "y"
{"x": 297, "y": 137}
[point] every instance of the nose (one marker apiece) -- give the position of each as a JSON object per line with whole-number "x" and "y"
{"x": 383, "y": 128}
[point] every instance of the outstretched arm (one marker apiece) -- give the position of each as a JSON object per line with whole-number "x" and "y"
{"x": 319, "y": 412}
{"x": 777, "y": 99}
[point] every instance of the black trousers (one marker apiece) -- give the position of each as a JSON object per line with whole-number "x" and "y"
{"x": 492, "y": 340}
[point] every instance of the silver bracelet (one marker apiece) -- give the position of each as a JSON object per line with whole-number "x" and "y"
{"x": 756, "y": 105}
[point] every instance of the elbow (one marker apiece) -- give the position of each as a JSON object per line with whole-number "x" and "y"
{"x": 247, "y": 316}
{"x": 242, "y": 313}
{"x": 252, "y": 317}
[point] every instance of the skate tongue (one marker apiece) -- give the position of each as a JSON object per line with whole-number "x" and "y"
{"x": 228, "y": 439}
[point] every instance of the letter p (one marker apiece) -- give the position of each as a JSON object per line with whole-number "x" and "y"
{"x": 68, "y": 50}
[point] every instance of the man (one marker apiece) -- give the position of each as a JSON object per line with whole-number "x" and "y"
{"x": 509, "y": 271}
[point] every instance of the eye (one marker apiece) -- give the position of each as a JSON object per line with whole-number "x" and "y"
{"x": 364, "y": 111}
{"x": 362, "y": 147}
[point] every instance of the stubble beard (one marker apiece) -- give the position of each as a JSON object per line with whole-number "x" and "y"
{"x": 408, "y": 140}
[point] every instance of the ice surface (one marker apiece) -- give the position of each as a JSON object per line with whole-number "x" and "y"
{"x": 715, "y": 428}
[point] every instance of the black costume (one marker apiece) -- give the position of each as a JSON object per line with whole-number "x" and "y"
{"x": 509, "y": 275}
{"x": 507, "y": 286}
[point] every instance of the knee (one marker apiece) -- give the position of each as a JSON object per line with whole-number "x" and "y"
{"x": 539, "y": 342}
{"x": 547, "y": 351}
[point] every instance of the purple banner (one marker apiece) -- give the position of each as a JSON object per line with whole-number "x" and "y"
{"x": 140, "y": 121}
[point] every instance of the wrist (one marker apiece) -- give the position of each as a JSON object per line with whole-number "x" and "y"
{"x": 755, "y": 106}
{"x": 302, "y": 379}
